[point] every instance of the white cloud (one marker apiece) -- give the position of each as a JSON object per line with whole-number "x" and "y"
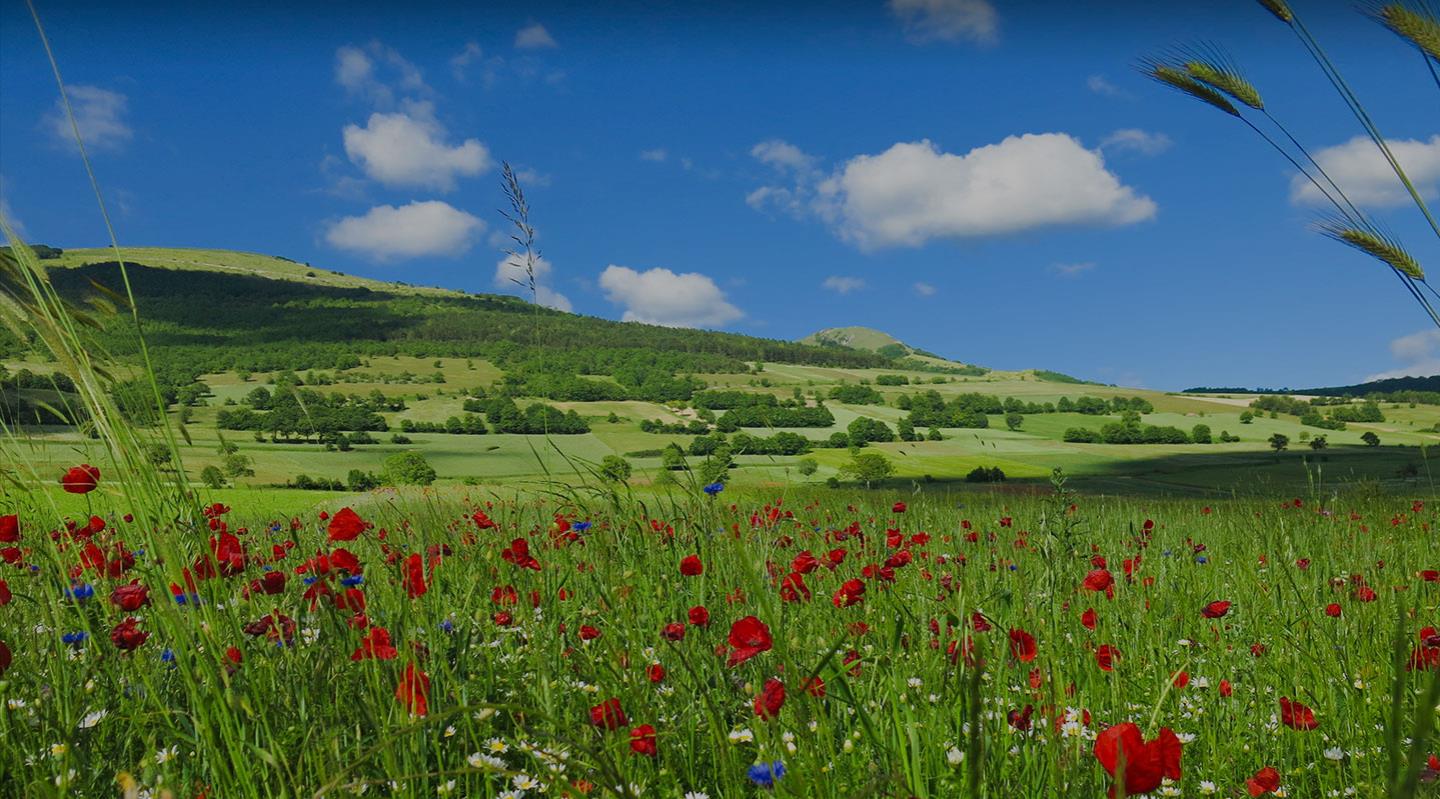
{"x": 510, "y": 275}
{"x": 913, "y": 192}
{"x": 99, "y": 114}
{"x": 534, "y": 37}
{"x": 947, "y": 20}
{"x": 375, "y": 72}
{"x": 1418, "y": 352}
{"x": 1366, "y": 177}
{"x": 657, "y": 155}
{"x": 403, "y": 150}
{"x": 661, "y": 297}
{"x": 925, "y": 289}
{"x": 387, "y": 233}
{"x": 1101, "y": 85}
{"x": 843, "y": 285}
{"x": 1072, "y": 269}
{"x": 782, "y": 155}
{"x": 462, "y": 60}
{"x": 1136, "y": 140}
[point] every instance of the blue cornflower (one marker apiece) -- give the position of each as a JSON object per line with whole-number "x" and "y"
{"x": 184, "y": 599}
{"x": 311, "y": 580}
{"x": 1014, "y": 568}
{"x": 352, "y": 580}
{"x": 81, "y": 591}
{"x": 581, "y": 527}
{"x": 765, "y": 774}
{"x": 714, "y": 488}
{"x": 168, "y": 656}
{"x": 74, "y": 638}
{"x": 447, "y": 626}
{"x": 1201, "y": 559}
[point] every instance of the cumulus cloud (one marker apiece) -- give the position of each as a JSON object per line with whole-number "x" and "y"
{"x": 1419, "y": 354}
{"x": 1136, "y": 140}
{"x": 99, "y": 114}
{"x": 913, "y": 192}
{"x": 843, "y": 285}
{"x": 662, "y": 297}
{"x": 534, "y": 37}
{"x": 510, "y": 275}
{"x": 947, "y": 20}
{"x": 925, "y": 289}
{"x": 1366, "y": 177}
{"x": 387, "y": 233}
{"x": 401, "y": 149}
{"x": 462, "y": 60}
{"x": 782, "y": 155}
{"x": 377, "y": 73}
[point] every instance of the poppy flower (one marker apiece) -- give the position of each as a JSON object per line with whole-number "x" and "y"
{"x": 414, "y": 576}
{"x": 748, "y": 637}
{"x": 674, "y": 631}
{"x": 589, "y": 633}
{"x": 608, "y": 715}
{"x": 1297, "y": 716}
{"x": 1182, "y": 679}
{"x": 804, "y": 563}
{"x": 127, "y": 635}
{"x": 1136, "y": 765}
{"x": 129, "y": 598}
{"x": 80, "y": 479}
{"x": 1225, "y": 688}
{"x": 690, "y": 566}
{"x": 851, "y": 592}
{"x": 898, "y": 507}
{"x": 4, "y": 594}
{"x": 1266, "y": 780}
{"x": 770, "y": 699}
{"x": 1022, "y": 645}
{"x": 655, "y": 673}
{"x": 414, "y": 691}
{"x": 518, "y": 553}
{"x": 1089, "y": 619}
{"x": 9, "y": 529}
{"x": 345, "y": 525}
{"x": 642, "y": 740}
{"x": 5, "y": 658}
{"x": 376, "y": 644}
{"x": 1105, "y": 656}
{"x": 1333, "y": 610}
{"x": 1099, "y": 580}
{"x": 699, "y": 616}
{"x": 1215, "y": 609}
{"x": 794, "y": 589}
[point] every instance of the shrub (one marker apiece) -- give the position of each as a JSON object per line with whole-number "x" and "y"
{"x": 408, "y": 468}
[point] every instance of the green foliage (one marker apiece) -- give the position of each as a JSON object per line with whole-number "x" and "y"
{"x": 807, "y": 466}
{"x": 856, "y": 395}
{"x": 1370, "y": 438}
{"x": 1200, "y": 434}
{"x": 775, "y": 416}
{"x": 212, "y": 477}
{"x": 868, "y": 467}
{"x": 408, "y": 468}
{"x": 1279, "y": 442}
{"x": 1014, "y": 420}
{"x": 863, "y": 430}
{"x": 980, "y": 474}
{"x": 615, "y": 468}
{"x": 892, "y": 380}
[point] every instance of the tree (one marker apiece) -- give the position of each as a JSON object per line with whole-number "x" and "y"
{"x": 1014, "y": 420}
{"x": 1279, "y": 442}
{"x": 1370, "y": 439}
{"x": 716, "y": 467}
{"x": 1200, "y": 434}
{"x": 361, "y": 481}
{"x": 868, "y": 467}
{"x": 934, "y": 434}
{"x": 807, "y": 466}
{"x": 211, "y": 477}
{"x": 1246, "y": 417}
{"x": 159, "y": 454}
{"x": 864, "y": 430}
{"x": 408, "y": 468}
{"x": 615, "y": 468}
{"x": 237, "y": 465}
{"x": 672, "y": 458}
{"x": 906, "y": 430}
{"x": 1319, "y": 442}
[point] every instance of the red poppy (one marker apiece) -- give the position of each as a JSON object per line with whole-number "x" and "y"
{"x": 5, "y": 658}
{"x": 655, "y": 673}
{"x": 690, "y": 566}
{"x": 129, "y": 598}
{"x": 608, "y": 715}
{"x": 518, "y": 553}
{"x": 748, "y": 637}
{"x": 127, "y": 635}
{"x": 851, "y": 592}
{"x": 898, "y": 507}
{"x": 589, "y": 633}
{"x": 1297, "y": 716}
{"x": 1333, "y": 610}
{"x": 674, "y": 631}
{"x": 1105, "y": 656}
{"x": 1225, "y": 688}
{"x": 80, "y": 479}
{"x": 642, "y": 740}
{"x": 794, "y": 589}
{"x": 9, "y": 529}
{"x": 414, "y": 690}
{"x": 4, "y": 594}
{"x": 376, "y": 644}
{"x": 1266, "y": 780}
{"x": 1215, "y": 609}
{"x": 1022, "y": 645}
{"x": 770, "y": 699}
{"x": 346, "y": 525}
{"x": 804, "y": 563}
{"x": 699, "y": 616}
{"x": 1099, "y": 580}
{"x": 1134, "y": 764}
{"x": 1182, "y": 679}
{"x": 414, "y": 576}
{"x": 1089, "y": 618}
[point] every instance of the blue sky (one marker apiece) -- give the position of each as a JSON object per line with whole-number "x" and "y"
{"x": 990, "y": 181}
